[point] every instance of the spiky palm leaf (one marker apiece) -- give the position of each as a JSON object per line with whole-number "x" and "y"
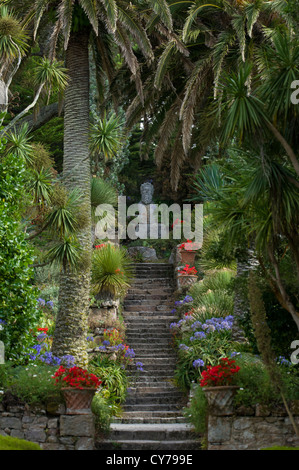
{"x": 13, "y": 39}
{"x": 65, "y": 252}
{"x": 112, "y": 270}
{"x": 41, "y": 185}
{"x": 106, "y": 137}
{"x": 63, "y": 218}
{"x": 19, "y": 144}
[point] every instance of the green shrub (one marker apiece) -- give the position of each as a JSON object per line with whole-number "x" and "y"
{"x": 32, "y": 384}
{"x": 104, "y": 410}
{"x": 113, "y": 378}
{"x": 213, "y": 295}
{"x": 196, "y": 413}
{"x": 12, "y": 443}
{"x": 18, "y": 298}
{"x": 256, "y": 386}
{"x": 280, "y": 448}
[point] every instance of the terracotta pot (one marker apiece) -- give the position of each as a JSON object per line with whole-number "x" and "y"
{"x": 185, "y": 281}
{"x": 188, "y": 256}
{"x": 78, "y": 401}
{"x": 220, "y": 399}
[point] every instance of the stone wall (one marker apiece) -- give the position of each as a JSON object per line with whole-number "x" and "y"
{"x": 51, "y": 431}
{"x": 253, "y": 428}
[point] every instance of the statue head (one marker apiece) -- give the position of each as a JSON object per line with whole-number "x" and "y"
{"x": 147, "y": 191}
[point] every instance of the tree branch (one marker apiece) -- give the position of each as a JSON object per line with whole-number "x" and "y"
{"x": 25, "y": 111}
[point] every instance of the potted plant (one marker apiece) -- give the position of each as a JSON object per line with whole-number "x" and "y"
{"x": 112, "y": 271}
{"x": 217, "y": 383}
{"x": 187, "y": 251}
{"x": 78, "y": 387}
{"x": 186, "y": 276}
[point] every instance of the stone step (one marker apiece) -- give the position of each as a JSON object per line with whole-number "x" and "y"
{"x": 158, "y": 388}
{"x": 145, "y": 268}
{"x": 148, "y": 321}
{"x": 149, "y": 380}
{"x": 145, "y": 340}
{"x": 141, "y": 350}
{"x": 133, "y": 333}
{"x": 142, "y": 328}
{"x": 157, "y": 274}
{"x": 153, "y": 281}
{"x": 147, "y": 307}
{"x": 152, "y": 407}
{"x": 148, "y": 314}
{"x": 137, "y": 419}
{"x": 140, "y": 445}
{"x": 153, "y": 298}
{"x": 156, "y": 361}
{"x": 149, "y": 290}
{"x": 155, "y": 432}
{"x": 154, "y": 414}
{"x": 149, "y": 399}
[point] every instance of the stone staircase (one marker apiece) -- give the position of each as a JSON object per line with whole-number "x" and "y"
{"x": 152, "y": 415}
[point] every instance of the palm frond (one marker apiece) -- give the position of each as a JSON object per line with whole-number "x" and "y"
{"x": 111, "y": 13}
{"x": 40, "y": 7}
{"x": 161, "y": 8}
{"x": 65, "y": 17}
{"x": 166, "y": 131}
{"x": 90, "y": 8}
{"x": 193, "y": 13}
{"x": 193, "y": 87}
{"x": 252, "y": 12}
{"x": 239, "y": 25}
{"x": 163, "y": 62}
{"x": 137, "y": 31}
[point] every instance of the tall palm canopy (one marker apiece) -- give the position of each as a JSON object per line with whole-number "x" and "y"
{"x": 79, "y": 21}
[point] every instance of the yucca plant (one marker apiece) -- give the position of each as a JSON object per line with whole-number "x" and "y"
{"x": 106, "y": 137}
{"x": 64, "y": 217}
{"x": 65, "y": 252}
{"x": 13, "y": 39}
{"x": 112, "y": 271}
{"x": 41, "y": 186}
{"x": 18, "y": 143}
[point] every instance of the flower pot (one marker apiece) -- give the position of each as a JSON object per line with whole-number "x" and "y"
{"x": 220, "y": 399}
{"x": 185, "y": 281}
{"x": 78, "y": 401}
{"x": 188, "y": 256}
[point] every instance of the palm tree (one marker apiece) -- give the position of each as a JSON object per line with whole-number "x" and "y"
{"x": 187, "y": 99}
{"x": 77, "y": 22}
{"x": 255, "y": 201}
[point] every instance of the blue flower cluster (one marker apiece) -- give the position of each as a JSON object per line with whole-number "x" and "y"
{"x": 283, "y": 361}
{"x": 209, "y": 326}
{"x": 198, "y": 363}
{"x": 42, "y": 303}
{"x": 200, "y": 330}
{"x": 179, "y": 303}
{"x": 47, "y": 357}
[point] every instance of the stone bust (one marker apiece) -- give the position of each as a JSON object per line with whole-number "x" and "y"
{"x": 147, "y": 191}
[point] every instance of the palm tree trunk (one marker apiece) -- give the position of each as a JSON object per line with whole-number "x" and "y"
{"x": 71, "y": 323}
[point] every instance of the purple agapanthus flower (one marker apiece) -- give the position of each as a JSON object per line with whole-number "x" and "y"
{"x": 198, "y": 363}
